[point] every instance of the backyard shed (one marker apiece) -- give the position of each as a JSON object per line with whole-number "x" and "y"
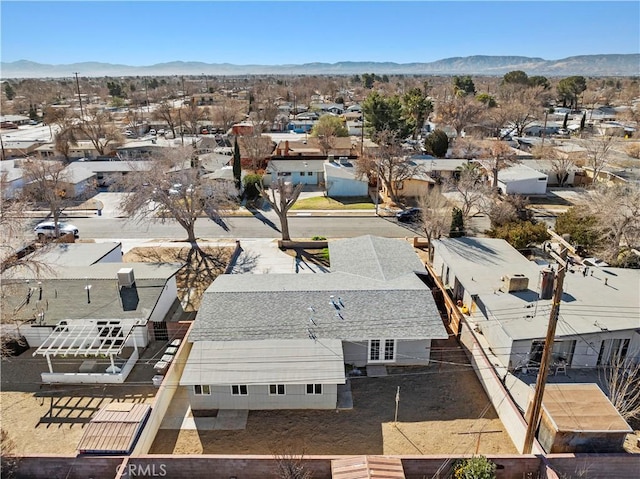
{"x": 114, "y": 429}
{"x": 579, "y": 418}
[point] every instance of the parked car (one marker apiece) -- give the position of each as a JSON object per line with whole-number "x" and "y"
{"x": 152, "y": 132}
{"x": 161, "y": 132}
{"x": 410, "y": 215}
{"x": 47, "y": 229}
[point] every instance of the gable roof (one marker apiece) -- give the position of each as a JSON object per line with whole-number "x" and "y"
{"x": 368, "y": 296}
{"x": 374, "y": 257}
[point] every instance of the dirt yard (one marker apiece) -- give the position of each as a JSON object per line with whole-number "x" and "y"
{"x": 442, "y": 410}
{"x": 191, "y": 281}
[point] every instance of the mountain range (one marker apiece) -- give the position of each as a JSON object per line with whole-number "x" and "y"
{"x": 588, "y": 65}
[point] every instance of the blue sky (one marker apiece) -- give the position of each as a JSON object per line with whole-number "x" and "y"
{"x": 281, "y": 32}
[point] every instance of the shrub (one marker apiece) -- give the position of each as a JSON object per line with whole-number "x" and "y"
{"x": 318, "y": 238}
{"x": 520, "y": 234}
{"x": 478, "y": 467}
{"x": 633, "y": 150}
{"x": 250, "y": 183}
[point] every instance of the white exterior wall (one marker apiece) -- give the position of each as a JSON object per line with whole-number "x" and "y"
{"x": 258, "y": 398}
{"x": 114, "y": 256}
{"x": 500, "y": 343}
{"x": 408, "y": 352}
{"x": 524, "y": 187}
{"x": 165, "y": 301}
{"x": 35, "y": 335}
{"x": 346, "y": 187}
{"x": 310, "y": 178}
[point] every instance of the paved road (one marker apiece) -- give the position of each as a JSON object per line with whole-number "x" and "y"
{"x": 267, "y": 226}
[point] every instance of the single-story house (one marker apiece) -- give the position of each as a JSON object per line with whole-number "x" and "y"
{"x": 341, "y": 179}
{"x": 520, "y": 179}
{"x": 509, "y": 299}
{"x": 281, "y": 341}
{"x": 86, "y": 302}
{"x": 311, "y": 148}
{"x": 296, "y": 171}
{"x": 20, "y": 148}
{"x": 15, "y": 119}
{"x": 547, "y": 167}
{"x": 82, "y": 149}
{"x": 139, "y": 149}
{"x": 12, "y": 177}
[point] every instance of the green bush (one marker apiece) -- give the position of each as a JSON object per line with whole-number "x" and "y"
{"x": 318, "y": 238}
{"x": 478, "y": 467}
{"x": 325, "y": 254}
{"x": 521, "y": 234}
{"x": 250, "y": 183}
{"x": 581, "y": 228}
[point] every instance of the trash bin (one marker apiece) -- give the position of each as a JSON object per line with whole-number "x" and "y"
{"x": 99, "y": 212}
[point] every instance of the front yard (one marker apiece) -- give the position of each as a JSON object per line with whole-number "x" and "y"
{"x": 326, "y": 203}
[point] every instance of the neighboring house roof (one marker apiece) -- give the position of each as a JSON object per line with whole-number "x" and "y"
{"x": 438, "y": 164}
{"x": 588, "y": 305}
{"x": 64, "y": 293}
{"x": 546, "y": 166}
{"x": 12, "y": 118}
{"x": 372, "y": 292}
{"x": 269, "y": 361}
{"x": 338, "y": 170}
{"x": 283, "y": 165}
{"x": 519, "y": 172}
{"x": 63, "y": 255}
{"x": 224, "y": 173}
{"x": 12, "y": 168}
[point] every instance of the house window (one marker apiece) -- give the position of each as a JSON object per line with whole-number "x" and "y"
{"x": 239, "y": 390}
{"x": 382, "y": 350}
{"x": 276, "y": 390}
{"x": 303, "y": 173}
{"x": 314, "y": 389}
{"x": 202, "y": 390}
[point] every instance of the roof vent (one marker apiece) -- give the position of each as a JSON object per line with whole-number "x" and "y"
{"x": 514, "y": 282}
{"x": 125, "y": 277}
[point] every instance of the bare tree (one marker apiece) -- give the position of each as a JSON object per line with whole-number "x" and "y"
{"x": 617, "y": 211}
{"x": 470, "y": 188}
{"x": 597, "y": 152}
{"x": 291, "y": 467}
{"x": 283, "y": 196}
{"x": 458, "y": 112}
{"x": 46, "y": 182}
{"x": 393, "y": 167}
{"x": 99, "y": 128}
{"x": 436, "y": 215}
{"x": 166, "y": 112}
{"x": 154, "y": 193}
{"x": 496, "y": 156}
{"x": 171, "y": 188}
{"x": 228, "y": 112}
{"x": 192, "y": 115}
{"x": 256, "y": 147}
{"x": 621, "y": 379}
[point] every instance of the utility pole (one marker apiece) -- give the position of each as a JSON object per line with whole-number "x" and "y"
{"x": 79, "y": 97}
{"x": 544, "y": 131}
{"x": 536, "y": 406}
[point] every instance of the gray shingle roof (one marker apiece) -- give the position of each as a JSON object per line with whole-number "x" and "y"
{"x": 374, "y": 257}
{"x": 387, "y": 300}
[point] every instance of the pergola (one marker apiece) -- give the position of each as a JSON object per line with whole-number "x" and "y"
{"x": 88, "y": 338}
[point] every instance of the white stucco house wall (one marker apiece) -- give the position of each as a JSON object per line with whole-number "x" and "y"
{"x": 521, "y": 180}
{"x": 341, "y": 179}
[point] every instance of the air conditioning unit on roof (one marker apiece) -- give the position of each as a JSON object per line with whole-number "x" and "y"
{"x": 125, "y": 277}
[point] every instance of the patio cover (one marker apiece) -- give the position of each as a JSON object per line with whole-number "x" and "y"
{"x": 89, "y": 337}
{"x": 290, "y": 361}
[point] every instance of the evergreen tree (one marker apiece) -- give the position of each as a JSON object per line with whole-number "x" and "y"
{"x": 9, "y": 91}
{"x": 457, "y": 224}
{"x": 437, "y": 143}
{"x": 237, "y": 167}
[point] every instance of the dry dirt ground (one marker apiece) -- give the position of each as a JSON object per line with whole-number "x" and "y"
{"x": 442, "y": 410}
{"x": 191, "y": 282}
{"x": 51, "y": 419}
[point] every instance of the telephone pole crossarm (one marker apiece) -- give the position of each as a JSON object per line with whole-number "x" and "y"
{"x": 536, "y": 406}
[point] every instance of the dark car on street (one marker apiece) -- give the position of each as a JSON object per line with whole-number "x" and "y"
{"x": 410, "y": 215}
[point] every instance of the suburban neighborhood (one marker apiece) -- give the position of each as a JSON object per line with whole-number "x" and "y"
{"x": 321, "y": 275}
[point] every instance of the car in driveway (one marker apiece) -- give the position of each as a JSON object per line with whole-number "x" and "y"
{"x": 47, "y": 229}
{"x": 410, "y": 215}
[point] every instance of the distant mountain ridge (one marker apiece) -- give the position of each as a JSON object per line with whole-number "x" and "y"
{"x": 588, "y": 65}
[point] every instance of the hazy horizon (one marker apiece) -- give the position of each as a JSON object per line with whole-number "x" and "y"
{"x": 282, "y": 32}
